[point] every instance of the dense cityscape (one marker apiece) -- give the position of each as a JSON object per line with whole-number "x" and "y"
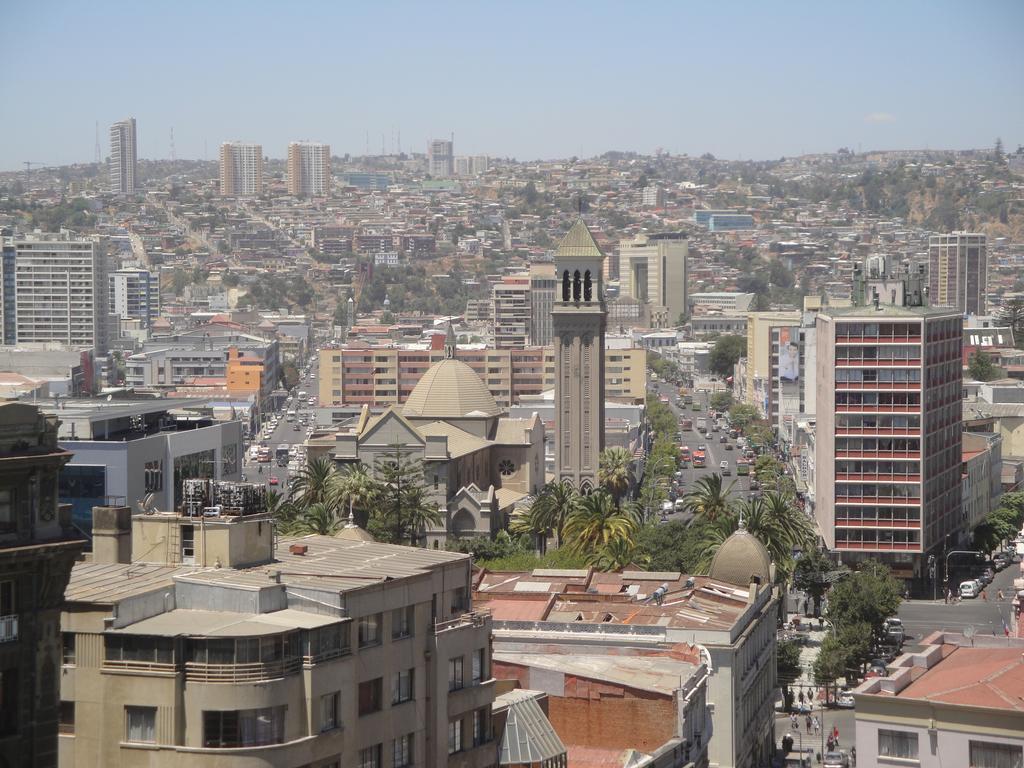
{"x": 312, "y": 458}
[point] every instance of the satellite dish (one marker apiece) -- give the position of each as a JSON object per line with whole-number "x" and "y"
{"x": 145, "y": 504}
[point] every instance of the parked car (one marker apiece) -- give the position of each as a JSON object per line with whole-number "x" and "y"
{"x": 836, "y": 760}
{"x": 724, "y": 439}
{"x": 877, "y": 667}
{"x": 894, "y": 629}
{"x": 728, "y": 446}
{"x": 1000, "y": 561}
{"x": 273, "y": 480}
{"x": 724, "y": 469}
{"x": 845, "y": 700}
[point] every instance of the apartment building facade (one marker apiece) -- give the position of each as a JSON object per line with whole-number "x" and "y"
{"x": 958, "y": 271}
{"x": 382, "y": 376}
{"x": 309, "y": 169}
{"x": 38, "y": 547}
{"x": 241, "y": 169}
{"x": 652, "y": 270}
{"x": 510, "y": 312}
{"x": 542, "y": 301}
{"x": 60, "y": 290}
{"x": 888, "y": 433}
{"x": 134, "y": 294}
{"x": 319, "y": 652}
{"x": 441, "y": 158}
{"x": 123, "y": 157}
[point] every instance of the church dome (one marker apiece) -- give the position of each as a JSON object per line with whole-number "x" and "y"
{"x": 741, "y": 559}
{"x": 450, "y": 389}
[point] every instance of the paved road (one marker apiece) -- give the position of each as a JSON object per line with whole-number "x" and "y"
{"x": 985, "y": 615}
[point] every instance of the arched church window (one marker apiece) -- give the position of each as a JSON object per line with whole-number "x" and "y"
{"x": 565, "y": 286}
{"x": 506, "y": 467}
{"x": 588, "y": 288}
{"x": 576, "y": 285}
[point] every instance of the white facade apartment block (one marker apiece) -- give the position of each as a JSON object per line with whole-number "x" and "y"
{"x": 309, "y": 169}
{"x": 241, "y": 169}
{"x": 441, "y": 159}
{"x": 57, "y": 292}
{"x": 135, "y": 294}
{"x": 123, "y": 157}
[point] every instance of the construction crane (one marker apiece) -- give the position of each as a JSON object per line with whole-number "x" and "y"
{"x": 28, "y": 167}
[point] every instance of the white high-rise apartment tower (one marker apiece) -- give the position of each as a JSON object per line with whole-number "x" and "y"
{"x": 123, "y": 157}
{"x": 135, "y": 294}
{"x": 241, "y": 169}
{"x": 60, "y": 293}
{"x": 441, "y": 158}
{"x": 309, "y": 169}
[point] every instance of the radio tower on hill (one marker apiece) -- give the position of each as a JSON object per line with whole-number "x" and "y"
{"x": 98, "y": 142}
{"x": 174, "y": 155}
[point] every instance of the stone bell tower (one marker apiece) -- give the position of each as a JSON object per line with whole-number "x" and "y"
{"x": 578, "y": 327}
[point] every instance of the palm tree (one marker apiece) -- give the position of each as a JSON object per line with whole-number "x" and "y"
{"x": 316, "y": 483}
{"x": 553, "y": 506}
{"x": 618, "y": 555}
{"x": 357, "y": 489}
{"x": 791, "y": 522}
{"x": 615, "y": 471}
{"x": 597, "y": 522}
{"x": 708, "y": 499}
{"x": 319, "y": 518}
{"x": 282, "y": 510}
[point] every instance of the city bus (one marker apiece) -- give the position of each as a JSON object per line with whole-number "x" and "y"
{"x": 281, "y": 454}
{"x": 742, "y": 467}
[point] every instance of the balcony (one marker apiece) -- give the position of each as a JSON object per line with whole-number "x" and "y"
{"x": 121, "y": 666}
{"x": 8, "y": 628}
{"x": 840, "y": 454}
{"x": 256, "y": 672}
{"x": 861, "y": 431}
{"x": 914, "y": 386}
{"x": 894, "y": 408}
{"x": 879, "y": 546}
{"x": 860, "y": 362}
{"x": 874, "y": 476}
{"x": 908, "y": 501}
{"x": 861, "y": 340}
{"x": 876, "y": 522}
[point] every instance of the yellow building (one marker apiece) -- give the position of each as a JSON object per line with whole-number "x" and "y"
{"x": 244, "y": 374}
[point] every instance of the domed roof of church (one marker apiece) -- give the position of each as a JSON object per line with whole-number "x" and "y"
{"x": 450, "y": 389}
{"x": 741, "y": 558}
{"x": 352, "y": 532}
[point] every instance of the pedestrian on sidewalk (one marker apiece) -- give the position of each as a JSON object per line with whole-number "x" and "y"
{"x": 949, "y": 595}
{"x": 817, "y": 725}
{"x": 999, "y": 594}
{"x": 984, "y": 595}
{"x": 809, "y": 724}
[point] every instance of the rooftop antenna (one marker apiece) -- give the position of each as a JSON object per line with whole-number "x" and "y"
{"x": 97, "y": 142}
{"x": 174, "y": 155}
{"x": 399, "y": 140}
{"x": 367, "y": 143}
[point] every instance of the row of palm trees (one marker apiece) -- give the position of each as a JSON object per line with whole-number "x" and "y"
{"x": 322, "y": 498}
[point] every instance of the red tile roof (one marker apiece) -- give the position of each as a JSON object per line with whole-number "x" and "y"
{"x": 977, "y": 677}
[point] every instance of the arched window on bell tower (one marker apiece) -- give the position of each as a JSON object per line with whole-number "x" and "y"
{"x": 566, "y": 290}
{"x": 576, "y": 285}
{"x": 588, "y": 288}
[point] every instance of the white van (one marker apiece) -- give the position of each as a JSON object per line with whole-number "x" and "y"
{"x": 969, "y": 589}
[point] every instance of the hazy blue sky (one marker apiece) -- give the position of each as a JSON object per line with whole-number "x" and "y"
{"x": 514, "y": 78}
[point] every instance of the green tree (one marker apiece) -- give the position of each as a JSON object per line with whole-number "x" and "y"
{"x": 1012, "y": 314}
{"x": 981, "y": 367}
{"x": 403, "y": 511}
{"x": 709, "y": 498}
{"x": 787, "y": 667}
{"x": 616, "y": 555}
{"x": 315, "y": 483}
{"x": 726, "y": 352}
{"x": 615, "y": 472}
{"x": 813, "y": 574}
{"x": 179, "y": 280}
{"x": 357, "y": 492}
{"x": 831, "y": 662}
{"x": 546, "y": 516}
{"x": 869, "y": 596}
{"x": 341, "y": 314}
{"x": 742, "y": 415}
{"x": 672, "y": 546}
{"x": 721, "y": 401}
{"x": 318, "y": 518}
{"x": 597, "y": 522}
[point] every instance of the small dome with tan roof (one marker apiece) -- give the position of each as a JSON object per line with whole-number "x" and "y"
{"x": 450, "y": 389}
{"x": 741, "y": 559}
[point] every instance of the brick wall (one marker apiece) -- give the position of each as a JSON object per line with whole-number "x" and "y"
{"x": 613, "y": 723}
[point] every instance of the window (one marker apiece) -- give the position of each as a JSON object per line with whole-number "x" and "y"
{"x": 7, "y": 521}
{"x": 897, "y": 744}
{"x": 479, "y": 660}
{"x": 370, "y": 757}
{"x": 66, "y": 718}
{"x": 370, "y": 696}
{"x": 7, "y": 598}
{"x": 243, "y": 727}
{"x": 154, "y": 476}
{"x": 402, "y": 686}
{"x": 67, "y": 647}
{"x": 402, "y": 620}
{"x": 140, "y": 724}
{"x": 329, "y": 711}
{"x": 506, "y": 468}
{"x": 9, "y": 701}
{"x": 985, "y": 754}
{"x": 454, "y": 737}
{"x": 139, "y": 648}
{"x": 369, "y": 630}
{"x": 401, "y": 751}
{"x": 459, "y": 602}
{"x": 455, "y": 674}
{"x": 481, "y": 725}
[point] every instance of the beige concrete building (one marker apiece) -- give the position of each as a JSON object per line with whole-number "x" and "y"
{"x": 309, "y": 169}
{"x": 316, "y": 652}
{"x": 958, "y": 271}
{"x": 383, "y": 376}
{"x": 652, "y": 270}
{"x": 578, "y": 323}
{"x": 241, "y": 169}
{"x": 510, "y": 312}
{"x": 759, "y": 348}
